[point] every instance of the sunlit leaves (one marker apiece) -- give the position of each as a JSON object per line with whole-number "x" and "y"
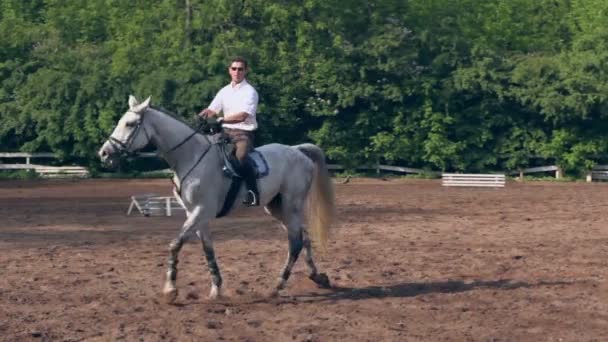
{"x": 452, "y": 85}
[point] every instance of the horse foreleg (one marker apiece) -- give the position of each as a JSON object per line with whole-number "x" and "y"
{"x": 216, "y": 278}
{"x": 169, "y": 290}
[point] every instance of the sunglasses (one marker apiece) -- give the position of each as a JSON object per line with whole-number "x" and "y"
{"x": 235, "y": 68}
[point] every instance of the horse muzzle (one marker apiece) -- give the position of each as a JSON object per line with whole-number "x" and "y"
{"x": 108, "y": 155}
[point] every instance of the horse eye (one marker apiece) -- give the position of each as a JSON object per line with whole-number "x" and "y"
{"x": 131, "y": 124}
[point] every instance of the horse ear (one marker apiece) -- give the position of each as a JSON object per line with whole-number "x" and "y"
{"x": 132, "y": 101}
{"x": 140, "y": 108}
{"x": 146, "y": 103}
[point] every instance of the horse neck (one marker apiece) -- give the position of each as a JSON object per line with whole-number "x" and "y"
{"x": 167, "y": 133}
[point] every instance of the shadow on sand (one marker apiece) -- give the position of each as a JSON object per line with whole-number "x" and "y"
{"x": 337, "y": 293}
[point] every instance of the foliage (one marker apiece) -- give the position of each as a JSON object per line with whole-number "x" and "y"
{"x": 18, "y": 174}
{"x": 467, "y": 85}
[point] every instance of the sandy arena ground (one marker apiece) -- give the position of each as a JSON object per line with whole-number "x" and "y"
{"x": 409, "y": 261}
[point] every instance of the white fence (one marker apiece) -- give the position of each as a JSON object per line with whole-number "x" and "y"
{"x": 26, "y": 156}
{"x": 62, "y": 171}
{"x": 538, "y": 169}
{"x": 473, "y": 180}
{"x": 46, "y": 171}
{"x": 599, "y": 172}
{"x": 49, "y": 171}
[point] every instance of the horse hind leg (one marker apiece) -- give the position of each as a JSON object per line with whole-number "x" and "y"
{"x": 294, "y": 235}
{"x": 274, "y": 208}
{"x": 321, "y": 279}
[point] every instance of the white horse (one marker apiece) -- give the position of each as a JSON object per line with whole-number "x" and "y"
{"x": 296, "y": 173}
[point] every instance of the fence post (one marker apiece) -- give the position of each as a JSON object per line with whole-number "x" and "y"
{"x": 168, "y": 205}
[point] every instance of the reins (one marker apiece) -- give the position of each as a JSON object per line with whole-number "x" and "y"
{"x": 199, "y": 130}
{"x": 178, "y": 188}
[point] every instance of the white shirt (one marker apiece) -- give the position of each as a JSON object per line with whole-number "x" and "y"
{"x": 241, "y": 97}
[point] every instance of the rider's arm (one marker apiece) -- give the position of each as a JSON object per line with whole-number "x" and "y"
{"x": 214, "y": 108}
{"x": 236, "y": 117}
{"x": 249, "y": 107}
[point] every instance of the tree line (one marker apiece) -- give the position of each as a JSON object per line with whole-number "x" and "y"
{"x": 467, "y": 85}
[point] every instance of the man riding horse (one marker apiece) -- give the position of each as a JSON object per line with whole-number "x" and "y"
{"x": 238, "y": 101}
{"x": 297, "y": 190}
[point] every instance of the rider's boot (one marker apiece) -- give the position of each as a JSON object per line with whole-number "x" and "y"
{"x": 252, "y": 197}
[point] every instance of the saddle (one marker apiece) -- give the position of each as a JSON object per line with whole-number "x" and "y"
{"x": 230, "y": 167}
{"x": 255, "y": 158}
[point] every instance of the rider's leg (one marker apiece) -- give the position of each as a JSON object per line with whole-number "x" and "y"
{"x": 242, "y": 148}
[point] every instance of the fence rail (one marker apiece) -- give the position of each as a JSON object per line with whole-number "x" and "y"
{"x": 50, "y": 171}
{"x": 62, "y": 171}
{"x": 27, "y": 156}
{"x": 379, "y": 168}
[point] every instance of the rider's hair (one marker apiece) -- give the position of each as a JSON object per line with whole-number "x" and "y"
{"x": 239, "y": 59}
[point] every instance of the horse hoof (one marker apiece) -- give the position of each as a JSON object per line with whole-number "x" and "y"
{"x": 170, "y": 295}
{"x": 322, "y": 280}
{"x": 215, "y": 293}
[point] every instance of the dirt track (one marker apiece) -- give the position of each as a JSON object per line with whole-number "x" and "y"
{"x": 409, "y": 261}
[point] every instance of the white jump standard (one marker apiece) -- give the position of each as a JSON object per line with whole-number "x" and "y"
{"x": 473, "y": 180}
{"x": 154, "y": 205}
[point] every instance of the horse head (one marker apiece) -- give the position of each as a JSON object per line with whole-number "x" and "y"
{"x": 129, "y": 135}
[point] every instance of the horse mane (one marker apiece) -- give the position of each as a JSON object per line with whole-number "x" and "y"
{"x": 174, "y": 116}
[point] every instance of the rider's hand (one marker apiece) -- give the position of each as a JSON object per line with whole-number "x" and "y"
{"x": 206, "y": 113}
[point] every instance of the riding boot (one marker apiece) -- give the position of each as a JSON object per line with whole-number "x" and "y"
{"x": 248, "y": 173}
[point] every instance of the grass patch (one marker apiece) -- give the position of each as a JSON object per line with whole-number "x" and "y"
{"x": 565, "y": 179}
{"x": 19, "y": 174}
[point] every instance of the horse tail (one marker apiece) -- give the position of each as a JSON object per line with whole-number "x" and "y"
{"x": 321, "y": 202}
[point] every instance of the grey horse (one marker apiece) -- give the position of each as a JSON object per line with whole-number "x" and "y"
{"x": 297, "y": 190}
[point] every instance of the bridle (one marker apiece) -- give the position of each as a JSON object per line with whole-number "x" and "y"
{"x": 123, "y": 148}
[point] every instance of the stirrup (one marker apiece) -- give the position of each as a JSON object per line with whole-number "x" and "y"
{"x": 251, "y": 199}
